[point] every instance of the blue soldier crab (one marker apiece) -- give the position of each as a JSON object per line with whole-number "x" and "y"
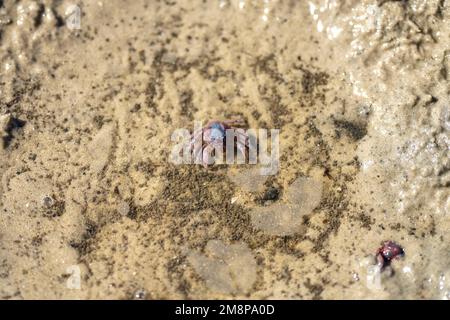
{"x": 212, "y": 136}
{"x": 388, "y": 251}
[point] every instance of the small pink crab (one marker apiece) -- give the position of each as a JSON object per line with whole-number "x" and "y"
{"x": 388, "y": 251}
{"x": 213, "y": 135}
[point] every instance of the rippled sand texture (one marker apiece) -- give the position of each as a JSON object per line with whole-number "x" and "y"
{"x": 90, "y": 207}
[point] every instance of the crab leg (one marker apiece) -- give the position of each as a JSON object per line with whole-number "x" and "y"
{"x": 245, "y": 138}
{"x": 242, "y": 135}
{"x": 206, "y": 155}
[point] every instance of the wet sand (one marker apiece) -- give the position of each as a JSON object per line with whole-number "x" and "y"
{"x": 92, "y": 208}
